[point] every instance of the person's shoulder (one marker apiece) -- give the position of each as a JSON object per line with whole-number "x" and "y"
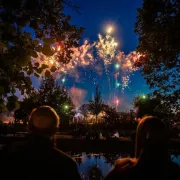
{"x": 67, "y": 163}
{"x": 174, "y": 168}
{"x": 123, "y": 168}
{"x": 63, "y": 156}
{"x": 125, "y": 163}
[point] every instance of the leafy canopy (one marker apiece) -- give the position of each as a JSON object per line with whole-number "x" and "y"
{"x": 158, "y": 27}
{"x": 111, "y": 115}
{"x": 52, "y": 94}
{"x": 24, "y": 25}
{"x": 84, "y": 110}
{"x": 150, "y": 106}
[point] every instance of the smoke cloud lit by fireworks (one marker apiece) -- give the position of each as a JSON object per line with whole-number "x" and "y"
{"x": 77, "y": 95}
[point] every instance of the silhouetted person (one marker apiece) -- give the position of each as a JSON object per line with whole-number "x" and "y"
{"x": 151, "y": 155}
{"x": 115, "y": 135}
{"x": 36, "y": 158}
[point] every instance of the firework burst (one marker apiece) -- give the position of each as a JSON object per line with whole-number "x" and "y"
{"x": 87, "y": 56}
{"x": 106, "y": 48}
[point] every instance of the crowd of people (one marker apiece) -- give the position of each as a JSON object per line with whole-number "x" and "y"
{"x": 37, "y": 157}
{"x": 101, "y": 134}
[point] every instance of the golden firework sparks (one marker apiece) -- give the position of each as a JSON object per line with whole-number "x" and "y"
{"x": 107, "y": 50}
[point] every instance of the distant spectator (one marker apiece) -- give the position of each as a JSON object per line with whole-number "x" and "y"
{"x": 36, "y": 157}
{"x": 116, "y": 135}
{"x": 151, "y": 160}
{"x": 101, "y": 136}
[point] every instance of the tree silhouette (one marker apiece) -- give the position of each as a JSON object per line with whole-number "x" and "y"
{"x": 158, "y": 29}
{"x": 96, "y": 104}
{"x": 2, "y": 106}
{"x": 84, "y": 110}
{"x": 111, "y": 114}
{"x": 12, "y": 103}
{"x": 28, "y": 27}
{"x": 150, "y": 106}
{"x": 52, "y": 94}
{"x": 20, "y": 114}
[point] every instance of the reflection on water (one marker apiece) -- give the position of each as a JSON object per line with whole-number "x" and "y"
{"x": 96, "y": 166}
{"x": 176, "y": 159}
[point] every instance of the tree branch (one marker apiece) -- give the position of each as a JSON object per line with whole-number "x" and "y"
{"x": 72, "y": 6}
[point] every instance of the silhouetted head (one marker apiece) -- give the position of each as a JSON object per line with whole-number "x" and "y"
{"x": 44, "y": 121}
{"x": 151, "y": 136}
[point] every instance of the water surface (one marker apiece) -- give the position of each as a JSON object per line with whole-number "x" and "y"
{"x": 99, "y": 165}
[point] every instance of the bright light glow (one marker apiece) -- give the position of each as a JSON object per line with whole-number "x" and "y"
{"x": 144, "y": 97}
{"x": 117, "y": 66}
{"x": 115, "y": 44}
{"x": 63, "y": 80}
{"x": 109, "y": 29}
{"x": 118, "y": 84}
{"x": 66, "y": 107}
{"x": 58, "y": 48}
{"x": 117, "y": 101}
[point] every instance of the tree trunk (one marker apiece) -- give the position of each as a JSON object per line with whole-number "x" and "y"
{"x": 96, "y": 119}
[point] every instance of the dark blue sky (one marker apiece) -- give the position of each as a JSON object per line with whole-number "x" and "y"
{"x": 95, "y": 16}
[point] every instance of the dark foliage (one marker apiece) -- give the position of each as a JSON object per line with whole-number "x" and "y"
{"x": 96, "y": 104}
{"x": 151, "y": 106}
{"x": 24, "y": 24}
{"x": 158, "y": 27}
{"x": 52, "y": 94}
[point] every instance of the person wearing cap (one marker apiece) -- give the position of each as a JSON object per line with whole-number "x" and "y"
{"x": 36, "y": 157}
{"x": 151, "y": 160}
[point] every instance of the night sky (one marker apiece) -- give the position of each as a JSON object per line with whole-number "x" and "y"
{"x": 95, "y": 16}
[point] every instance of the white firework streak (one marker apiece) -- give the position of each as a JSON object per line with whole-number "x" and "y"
{"x": 106, "y": 48}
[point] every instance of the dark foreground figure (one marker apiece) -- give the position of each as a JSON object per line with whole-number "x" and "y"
{"x": 36, "y": 158}
{"x": 151, "y": 161}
